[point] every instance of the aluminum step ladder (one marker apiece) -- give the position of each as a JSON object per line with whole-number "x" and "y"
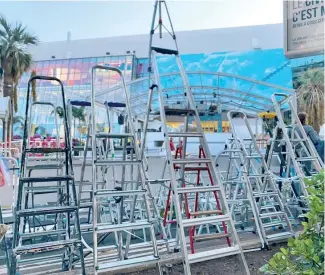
{"x": 270, "y": 211}
{"x": 121, "y": 225}
{"x": 66, "y": 230}
{"x": 193, "y": 219}
{"x": 301, "y": 152}
{"x": 239, "y": 197}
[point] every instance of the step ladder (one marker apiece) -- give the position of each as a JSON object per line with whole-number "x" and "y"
{"x": 239, "y": 198}
{"x": 180, "y": 191}
{"x": 302, "y": 158}
{"x": 64, "y": 234}
{"x": 126, "y": 222}
{"x": 271, "y": 213}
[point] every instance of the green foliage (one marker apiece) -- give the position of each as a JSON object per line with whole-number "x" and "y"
{"x": 305, "y": 254}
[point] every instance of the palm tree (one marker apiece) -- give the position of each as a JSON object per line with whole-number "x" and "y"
{"x": 14, "y": 57}
{"x": 14, "y": 60}
{"x": 310, "y": 96}
{"x": 18, "y": 123}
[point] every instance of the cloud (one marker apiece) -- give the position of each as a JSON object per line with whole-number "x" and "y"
{"x": 269, "y": 70}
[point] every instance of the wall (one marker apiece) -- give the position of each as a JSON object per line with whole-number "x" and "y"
{"x": 197, "y": 41}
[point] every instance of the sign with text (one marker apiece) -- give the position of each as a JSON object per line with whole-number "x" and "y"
{"x": 303, "y": 28}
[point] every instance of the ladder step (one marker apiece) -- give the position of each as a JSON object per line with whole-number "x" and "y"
{"x": 274, "y": 223}
{"x": 205, "y": 237}
{"x": 306, "y": 158}
{"x": 253, "y": 157}
{"x": 46, "y": 179}
{"x": 206, "y": 212}
{"x": 194, "y": 135}
{"x": 46, "y": 210}
{"x": 158, "y": 181}
{"x": 256, "y": 195}
{"x": 112, "y": 135}
{"x": 86, "y": 204}
{"x": 46, "y": 150}
{"x": 191, "y": 161}
{"x": 42, "y": 233}
{"x": 272, "y": 214}
{"x": 164, "y": 51}
{"x": 138, "y": 224}
{"x": 42, "y": 247}
{"x": 36, "y": 189}
{"x": 105, "y": 192}
{"x": 279, "y": 236}
{"x": 44, "y": 166}
{"x": 117, "y": 162}
{"x": 205, "y": 220}
{"x": 197, "y": 189}
{"x": 178, "y": 112}
{"x": 213, "y": 254}
{"x": 129, "y": 263}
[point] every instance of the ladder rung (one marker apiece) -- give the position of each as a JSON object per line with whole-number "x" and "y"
{"x": 44, "y": 246}
{"x": 46, "y": 210}
{"x": 164, "y": 51}
{"x": 112, "y": 135}
{"x": 197, "y": 135}
{"x": 42, "y": 233}
{"x": 306, "y": 158}
{"x": 253, "y": 157}
{"x": 157, "y": 181}
{"x": 105, "y": 192}
{"x": 266, "y": 194}
{"x": 197, "y": 189}
{"x": 279, "y": 236}
{"x": 44, "y": 166}
{"x": 213, "y": 254}
{"x": 44, "y": 189}
{"x": 117, "y": 162}
{"x": 191, "y": 161}
{"x": 204, "y": 237}
{"x": 178, "y": 112}
{"x": 117, "y": 265}
{"x": 272, "y": 214}
{"x": 206, "y": 212}
{"x": 138, "y": 224}
{"x": 46, "y": 150}
{"x": 205, "y": 220}
{"x": 46, "y": 179}
{"x": 86, "y": 204}
{"x": 274, "y": 223}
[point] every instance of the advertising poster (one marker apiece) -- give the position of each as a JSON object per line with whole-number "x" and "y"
{"x": 303, "y": 28}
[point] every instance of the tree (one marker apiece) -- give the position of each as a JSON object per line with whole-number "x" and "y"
{"x": 18, "y": 123}
{"x": 14, "y": 58}
{"x": 305, "y": 254}
{"x": 310, "y": 96}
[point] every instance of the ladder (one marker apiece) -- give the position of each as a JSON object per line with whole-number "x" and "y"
{"x": 239, "y": 198}
{"x": 126, "y": 221}
{"x": 269, "y": 208}
{"x": 192, "y": 219}
{"x": 301, "y": 153}
{"x": 65, "y": 233}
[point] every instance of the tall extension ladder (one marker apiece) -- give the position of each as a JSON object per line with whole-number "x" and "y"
{"x": 267, "y": 199}
{"x": 66, "y": 207}
{"x": 140, "y": 189}
{"x": 178, "y": 186}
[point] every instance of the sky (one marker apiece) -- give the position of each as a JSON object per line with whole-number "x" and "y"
{"x": 51, "y": 20}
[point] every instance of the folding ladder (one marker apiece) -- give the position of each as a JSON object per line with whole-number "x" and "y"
{"x": 220, "y": 214}
{"x": 66, "y": 228}
{"x": 269, "y": 208}
{"x": 239, "y": 198}
{"x": 302, "y": 159}
{"x": 126, "y": 221}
